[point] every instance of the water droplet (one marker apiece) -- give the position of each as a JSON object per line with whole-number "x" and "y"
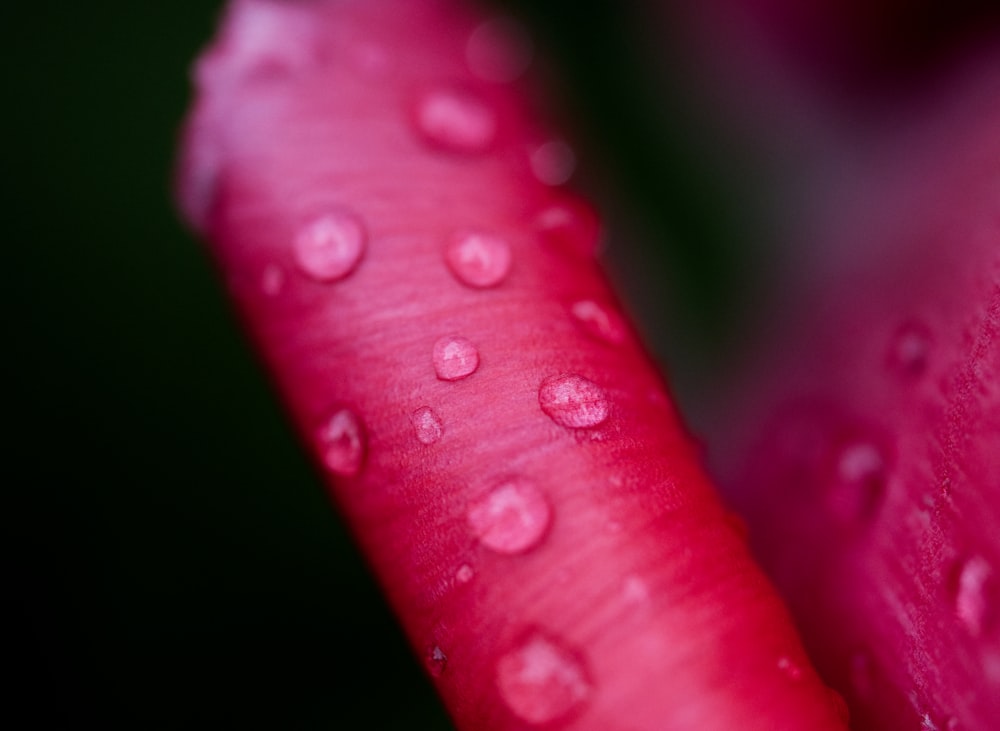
{"x": 598, "y": 321}
{"x": 436, "y": 661}
{"x": 541, "y": 680}
{"x": 927, "y": 723}
{"x": 330, "y": 247}
{"x": 427, "y": 425}
{"x": 464, "y": 574}
{"x": 478, "y": 259}
{"x": 456, "y": 120}
{"x": 572, "y": 224}
{"x": 272, "y": 280}
{"x": 511, "y": 518}
{"x": 973, "y": 595}
{"x": 573, "y": 401}
{"x": 498, "y": 50}
{"x": 790, "y": 668}
{"x": 455, "y": 358}
{"x": 341, "y": 442}
{"x": 858, "y": 480}
{"x": 553, "y": 163}
{"x": 953, "y": 724}
{"x": 909, "y": 349}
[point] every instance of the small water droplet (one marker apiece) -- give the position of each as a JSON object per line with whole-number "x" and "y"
{"x": 427, "y": 425}
{"x": 541, "y": 680}
{"x": 553, "y": 162}
{"x": 573, "y": 401}
{"x": 464, "y": 574}
{"x": 511, "y": 518}
{"x": 571, "y": 224}
{"x": 858, "y": 481}
{"x": 272, "y": 280}
{"x": 456, "y": 120}
{"x": 974, "y": 591}
{"x": 909, "y": 349}
{"x": 330, "y": 247}
{"x": 498, "y": 50}
{"x": 598, "y": 321}
{"x": 790, "y": 668}
{"x": 436, "y": 661}
{"x": 478, "y": 259}
{"x": 455, "y": 358}
{"x": 341, "y": 441}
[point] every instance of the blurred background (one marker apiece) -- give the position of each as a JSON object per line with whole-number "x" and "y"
{"x": 173, "y": 559}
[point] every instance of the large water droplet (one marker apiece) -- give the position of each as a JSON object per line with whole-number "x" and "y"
{"x": 909, "y": 349}
{"x": 426, "y": 425}
{"x": 858, "y": 481}
{"x": 456, "y": 120}
{"x": 553, "y": 162}
{"x": 498, "y": 50}
{"x": 330, "y": 247}
{"x": 573, "y": 401}
{"x": 341, "y": 441}
{"x": 571, "y": 224}
{"x": 974, "y": 590}
{"x": 435, "y": 661}
{"x": 454, "y": 358}
{"x": 598, "y": 321}
{"x": 478, "y": 259}
{"x": 511, "y": 518}
{"x": 541, "y": 680}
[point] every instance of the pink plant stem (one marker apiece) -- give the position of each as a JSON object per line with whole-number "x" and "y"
{"x": 503, "y": 449}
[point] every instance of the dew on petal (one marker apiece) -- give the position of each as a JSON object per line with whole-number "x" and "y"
{"x": 573, "y": 401}
{"x": 511, "y": 518}
{"x": 909, "y": 350}
{"x": 498, "y": 50}
{"x": 456, "y": 120}
{"x": 454, "y": 358}
{"x": 341, "y": 441}
{"x": 426, "y": 425}
{"x": 464, "y": 574}
{"x": 974, "y": 595}
{"x": 552, "y": 163}
{"x": 478, "y": 259}
{"x": 858, "y": 482}
{"x": 790, "y": 668}
{"x": 570, "y": 224}
{"x": 541, "y": 680}
{"x": 598, "y": 321}
{"x": 436, "y": 661}
{"x": 330, "y": 246}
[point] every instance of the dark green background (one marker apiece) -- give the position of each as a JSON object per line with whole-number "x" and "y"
{"x": 173, "y": 560}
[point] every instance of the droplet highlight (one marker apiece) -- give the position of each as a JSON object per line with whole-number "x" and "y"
{"x": 573, "y": 401}
{"x": 599, "y": 322}
{"x": 541, "y": 680}
{"x": 974, "y": 598}
{"x": 479, "y": 259}
{"x": 456, "y": 120}
{"x": 341, "y": 442}
{"x": 511, "y": 518}
{"x": 426, "y": 425}
{"x": 909, "y": 350}
{"x": 436, "y": 661}
{"x": 570, "y": 224}
{"x": 858, "y": 481}
{"x": 454, "y": 358}
{"x": 790, "y": 668}
{"x": 553, "y": 162}
{"x": 464, "y": 574}
{"x": 498, "y": 50}
{"x": 329, "y": 247}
